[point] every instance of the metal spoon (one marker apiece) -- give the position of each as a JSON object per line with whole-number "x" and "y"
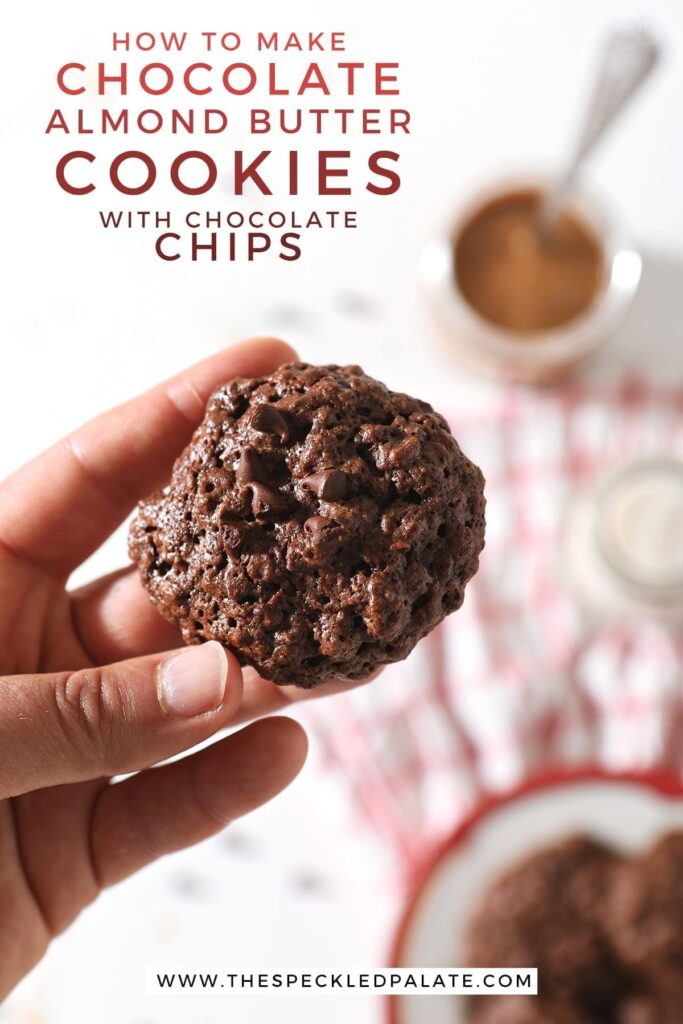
{"x": 630, "y": 54}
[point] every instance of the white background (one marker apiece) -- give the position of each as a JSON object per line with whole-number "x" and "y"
{"x": 87, "y": 319}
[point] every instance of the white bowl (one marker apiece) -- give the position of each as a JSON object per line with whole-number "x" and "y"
{"x": 626, "y": 812}
{"x": 540, "y": 356}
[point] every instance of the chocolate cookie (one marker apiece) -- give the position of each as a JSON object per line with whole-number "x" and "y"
{"x": 524, "y": 1010}
{"x": 317, "y": 524}
{"x": 649, "y": 1009}
{"x": 545, "y": 914}
{"x": 646, "y": 915}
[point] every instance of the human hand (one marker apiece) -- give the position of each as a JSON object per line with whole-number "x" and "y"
{"x": 92, "y": 683}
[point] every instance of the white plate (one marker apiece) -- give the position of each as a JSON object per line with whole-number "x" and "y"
{"x": 627, "y": 813}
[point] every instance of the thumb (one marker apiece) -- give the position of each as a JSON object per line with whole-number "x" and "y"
{"x": 71, "y": 726}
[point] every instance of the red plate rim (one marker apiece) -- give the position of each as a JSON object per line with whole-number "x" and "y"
{"x": 659, "y": 781}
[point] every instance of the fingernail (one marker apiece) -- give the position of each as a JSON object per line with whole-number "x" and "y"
{"x": 193, "y": 682}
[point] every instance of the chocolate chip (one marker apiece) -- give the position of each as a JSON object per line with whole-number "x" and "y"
{"x": 325, "y": 535}
{"x": 317, "y": 525}
{"x": 330, "y": 484}
{"x": 266, "y": 500}
{"x": 269, "y": 420}
{"x": 250, "y": 468}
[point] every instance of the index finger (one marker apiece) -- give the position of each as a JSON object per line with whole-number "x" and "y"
{"x": 59, "y": 508}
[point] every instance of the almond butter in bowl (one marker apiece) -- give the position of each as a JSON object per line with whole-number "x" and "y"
{"x": 524, "y": 307}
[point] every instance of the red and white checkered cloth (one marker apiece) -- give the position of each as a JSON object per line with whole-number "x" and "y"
{"x": 522, "y": 678}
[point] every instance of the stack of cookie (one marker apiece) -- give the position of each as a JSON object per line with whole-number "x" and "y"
{"x": 604, "y": 930}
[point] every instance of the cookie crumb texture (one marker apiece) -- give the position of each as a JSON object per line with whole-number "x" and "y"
{"x": 317, "y": 524}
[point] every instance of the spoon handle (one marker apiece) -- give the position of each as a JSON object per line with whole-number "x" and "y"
{"x": 629, "y": 55}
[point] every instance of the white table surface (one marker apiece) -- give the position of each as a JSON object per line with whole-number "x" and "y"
{"x": 86, "y": 320}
